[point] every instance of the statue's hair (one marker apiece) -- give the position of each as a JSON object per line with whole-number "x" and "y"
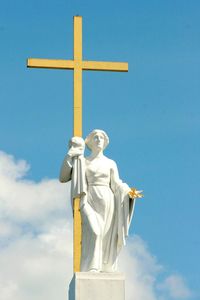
{"x": 88, "y": 140}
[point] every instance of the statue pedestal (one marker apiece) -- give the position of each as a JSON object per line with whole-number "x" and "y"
{"x": 97, "y": 286}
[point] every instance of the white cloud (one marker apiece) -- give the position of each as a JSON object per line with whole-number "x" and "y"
{"x": 27, "y": 201}
{"x": 141, "y": 270}
{"x": 36, "y": 244}
{"x": 176, "y": 287}
{"x": 10, "y": 168}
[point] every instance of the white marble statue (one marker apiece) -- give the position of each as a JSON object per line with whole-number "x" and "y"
{"x": 107, "y": 203}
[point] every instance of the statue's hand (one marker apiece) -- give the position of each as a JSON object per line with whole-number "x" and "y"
{"x": 135, "y": 194}
{"x": 76, "y": 146}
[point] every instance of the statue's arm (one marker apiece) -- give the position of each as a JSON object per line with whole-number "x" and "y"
{"x": 66, "y": 169}
{"x": 116, "y": 182}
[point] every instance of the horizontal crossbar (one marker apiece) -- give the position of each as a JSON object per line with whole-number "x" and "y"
{"x": 50, "y": 63}
{"x": 71, "y": 64}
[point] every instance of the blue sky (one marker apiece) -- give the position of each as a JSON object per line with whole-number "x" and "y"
{"x": 151, "y": 113}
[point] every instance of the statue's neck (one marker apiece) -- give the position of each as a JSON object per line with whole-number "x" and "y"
{"x": 96, "y": 154}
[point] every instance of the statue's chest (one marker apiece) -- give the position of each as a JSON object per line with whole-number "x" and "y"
{"x": 97, "y": 169}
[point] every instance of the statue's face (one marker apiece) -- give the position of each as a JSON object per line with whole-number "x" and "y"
{"x": 98, "y": 141}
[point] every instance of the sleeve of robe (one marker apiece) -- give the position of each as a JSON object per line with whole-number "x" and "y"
{"x": 66, "y": 169}
{"x": 124, "y": 206}
{"x": 74, "y": 169}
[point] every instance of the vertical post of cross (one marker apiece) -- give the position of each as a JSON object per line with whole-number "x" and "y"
{"x": 77, "y": 130}
{"x": 77, "y": 76}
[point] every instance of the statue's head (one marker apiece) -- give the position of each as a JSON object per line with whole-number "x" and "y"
{"x": 97, "y": 139}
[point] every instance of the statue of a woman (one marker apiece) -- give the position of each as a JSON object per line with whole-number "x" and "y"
{"x": 106, "y": 202}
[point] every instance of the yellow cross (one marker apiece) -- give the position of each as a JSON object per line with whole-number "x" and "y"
{"x": 78, "y": 65}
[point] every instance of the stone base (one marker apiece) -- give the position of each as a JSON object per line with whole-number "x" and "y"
{"x": 97, "y": 286}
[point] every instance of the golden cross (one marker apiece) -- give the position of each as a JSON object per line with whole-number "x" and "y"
{"x": 78, "y": 65}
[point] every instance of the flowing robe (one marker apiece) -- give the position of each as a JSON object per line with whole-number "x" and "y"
{"x": 106, "y": 210}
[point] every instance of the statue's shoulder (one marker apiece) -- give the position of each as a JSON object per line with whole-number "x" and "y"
{"x": 110, "y": 161}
